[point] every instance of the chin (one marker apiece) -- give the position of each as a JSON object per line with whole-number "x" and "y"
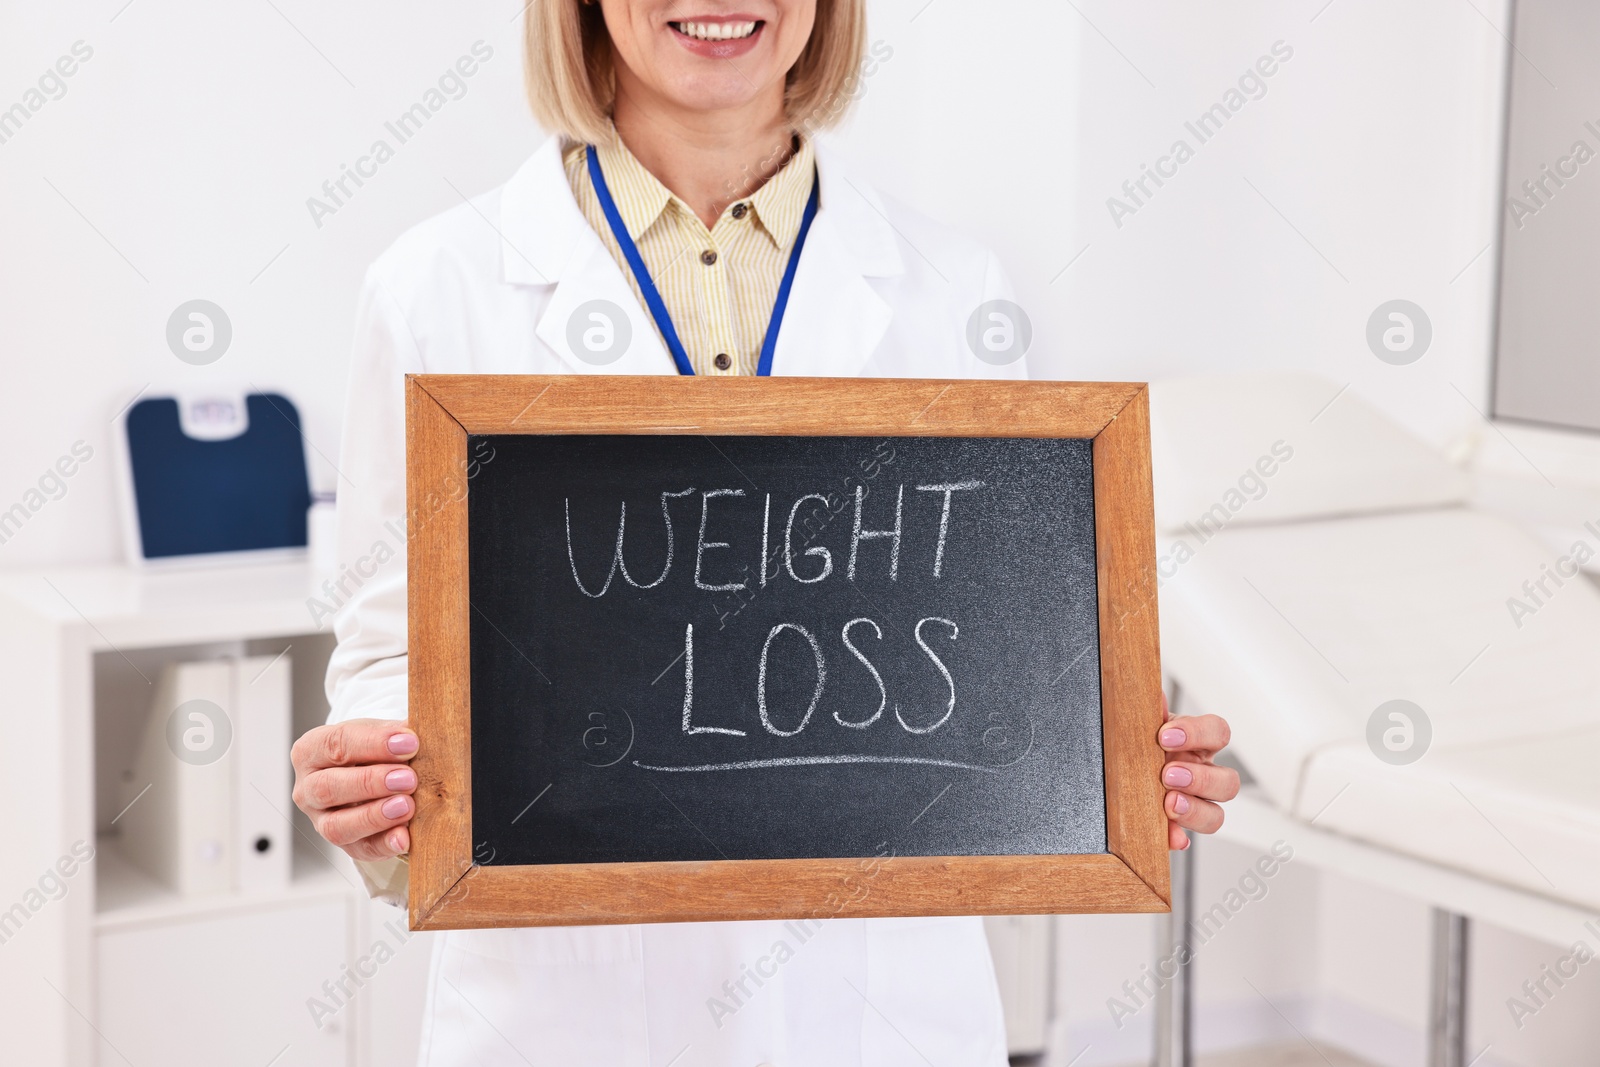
{"x": 716, "y": 93}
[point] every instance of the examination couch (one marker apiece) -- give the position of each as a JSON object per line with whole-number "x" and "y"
{"x": 1319, "y": 564}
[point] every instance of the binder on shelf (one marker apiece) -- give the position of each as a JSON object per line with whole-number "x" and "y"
{"x": 209, "y": 800}
{"x": 176, "y": 825}
{"x": 262, "y": 779}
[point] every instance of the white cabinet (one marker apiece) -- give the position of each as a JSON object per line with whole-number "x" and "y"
{"x": 104, "y": 966}
{"x": 226, "y": 991}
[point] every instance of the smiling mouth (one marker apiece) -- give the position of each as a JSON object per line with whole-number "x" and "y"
{"x": 717, "y": 31}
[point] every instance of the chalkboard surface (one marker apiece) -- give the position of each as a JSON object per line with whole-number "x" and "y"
{"x": 769, "y": 647}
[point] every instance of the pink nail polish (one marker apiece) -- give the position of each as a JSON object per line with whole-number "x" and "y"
{"x": 394, "y": 807}
{"x": 403, "y": 744}
{"x": 1178, "y": 776}
{"x": 1173, "y": 738}
{"x": 400, "y": 780}
{"x": 394, "y": 842}
{"x": 1180, "y": 804}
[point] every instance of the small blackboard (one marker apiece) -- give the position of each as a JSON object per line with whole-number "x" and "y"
{"x": 734, "y": 653}
{"x": 783, "y": 648}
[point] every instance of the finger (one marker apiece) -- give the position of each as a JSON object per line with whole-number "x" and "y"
{"x": 1195, "y": 733}
{"x": 1177, "y": 840}
{"x": 336, "y": 787}
{"x": 1203, "y": 780}
{"x": 1166, "y": 712}
{"x": 346, "y": 826}
{"x": 353, "y": 743}
{"x": 381, "y": 846}
{"x": 1201, "y": 816}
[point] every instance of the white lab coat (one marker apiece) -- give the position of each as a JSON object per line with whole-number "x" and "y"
{"x": 489, "y": 287}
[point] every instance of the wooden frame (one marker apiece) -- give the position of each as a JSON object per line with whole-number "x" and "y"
{"x": 449, "y": 891}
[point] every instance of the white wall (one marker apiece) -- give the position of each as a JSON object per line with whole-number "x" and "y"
{"x": 178, "y": 165}
{"x": 1366, "y": 172}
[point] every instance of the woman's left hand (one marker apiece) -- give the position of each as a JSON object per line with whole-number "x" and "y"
{"x": 1196, "y": 786}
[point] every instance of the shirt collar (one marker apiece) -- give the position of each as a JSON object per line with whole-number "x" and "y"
{"x": 639, "y": 195}
{"x": 779, "y": 204}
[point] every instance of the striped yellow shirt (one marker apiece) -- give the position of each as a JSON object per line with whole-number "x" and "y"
{"x": 718, "y": 284}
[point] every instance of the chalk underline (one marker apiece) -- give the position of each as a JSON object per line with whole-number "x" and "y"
{"x": 807, "y": 761}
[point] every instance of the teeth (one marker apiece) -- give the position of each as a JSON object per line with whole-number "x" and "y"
{"x": 716, "y": 31}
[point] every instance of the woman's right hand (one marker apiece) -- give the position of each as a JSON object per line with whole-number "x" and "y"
{"x": 352, "y": 782}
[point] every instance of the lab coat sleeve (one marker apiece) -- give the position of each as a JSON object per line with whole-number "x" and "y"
{"x": 997, "y": 286}
{"x": 367, "y": 671}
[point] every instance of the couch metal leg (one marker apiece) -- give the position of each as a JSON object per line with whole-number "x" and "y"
{"x": 1447, "y": 1015}
{"x": 1175, "y": 998}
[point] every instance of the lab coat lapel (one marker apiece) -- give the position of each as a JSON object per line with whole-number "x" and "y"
{"x": 546, "y": 242}
{"x": 588, "y": 299}
{"x": 836, "y": 318}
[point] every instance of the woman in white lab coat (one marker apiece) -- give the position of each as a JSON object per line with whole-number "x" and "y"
{"x": 704, "y": 233}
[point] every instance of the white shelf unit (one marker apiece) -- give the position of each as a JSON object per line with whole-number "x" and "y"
{"x": 108, "y": 966}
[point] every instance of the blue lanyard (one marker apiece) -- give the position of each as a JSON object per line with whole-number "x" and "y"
{"x": 652, "y": 296}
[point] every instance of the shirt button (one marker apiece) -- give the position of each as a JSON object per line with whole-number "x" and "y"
{"x": 741, "y": 210}
{"x": 722, "y": 362}
{"x": 708, "y": 257}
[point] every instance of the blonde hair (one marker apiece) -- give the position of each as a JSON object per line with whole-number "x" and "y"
{"x": 571, "y": 83}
